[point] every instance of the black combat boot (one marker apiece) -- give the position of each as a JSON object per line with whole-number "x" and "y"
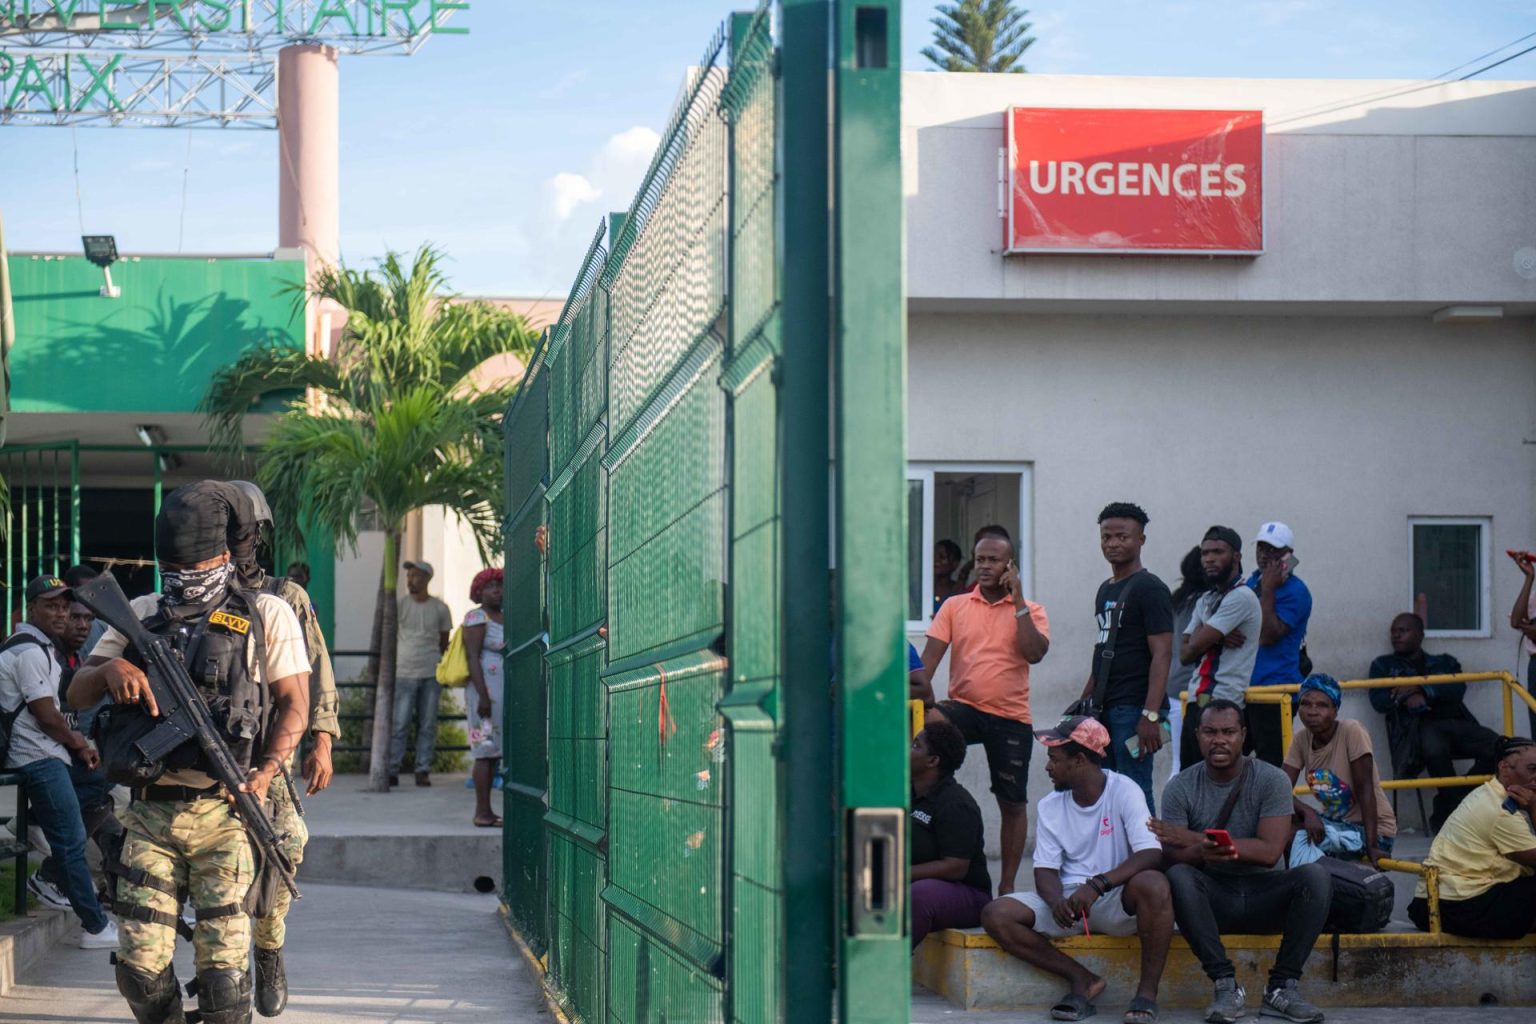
{"x": 154, "y": 999}
{"x": 271, "y": 982}
{"x": 224, "y": 996}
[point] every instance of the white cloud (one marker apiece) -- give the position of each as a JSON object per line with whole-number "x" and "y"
{"x": 568, "y": 191}
{"x": 625, "y": 157}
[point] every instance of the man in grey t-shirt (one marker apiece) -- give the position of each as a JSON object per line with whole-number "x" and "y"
{"x": 1241, "y": 888}
{"x": 424, "y": 624}
{"x": 1222, "y": 638}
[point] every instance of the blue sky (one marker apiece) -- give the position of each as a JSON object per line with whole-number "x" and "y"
{"x": 504, "y": 146}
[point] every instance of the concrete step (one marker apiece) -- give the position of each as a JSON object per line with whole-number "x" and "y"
{"x": 408, "y": 838}
{"x": 23, "y": 940}
{"x": 1390, "y": 969}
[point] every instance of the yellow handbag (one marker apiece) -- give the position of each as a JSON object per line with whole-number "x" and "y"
{"x": 453, "y": 669}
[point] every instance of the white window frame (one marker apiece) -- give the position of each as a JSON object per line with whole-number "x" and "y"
{"x": 1485, "y": 560}
{"x": 1023, "y": 543}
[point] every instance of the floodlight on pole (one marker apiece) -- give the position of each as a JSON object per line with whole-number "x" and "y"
{"x": 102, "y": 251}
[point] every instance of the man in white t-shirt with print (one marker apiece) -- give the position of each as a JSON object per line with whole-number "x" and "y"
{"x": 1097, "y": 870}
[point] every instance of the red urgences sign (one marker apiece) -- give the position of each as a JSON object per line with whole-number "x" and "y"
{"x": 1135, "y": 181}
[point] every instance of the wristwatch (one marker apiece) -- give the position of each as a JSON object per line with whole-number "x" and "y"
{"x": 1152, "y": 716}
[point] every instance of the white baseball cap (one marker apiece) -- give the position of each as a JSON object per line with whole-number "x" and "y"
{"x": 1276, "y": 535}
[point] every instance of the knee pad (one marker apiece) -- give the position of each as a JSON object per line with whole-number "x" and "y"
{"x": 153, "y": 998}
{"x": 224, "y": 995}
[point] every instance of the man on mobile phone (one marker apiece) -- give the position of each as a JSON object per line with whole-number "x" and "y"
{"x": 1128, "y": 678}
{"x": 1241, "y": 888}
{"x": 993, "y": 635}
{"x": 1287, "y": 606}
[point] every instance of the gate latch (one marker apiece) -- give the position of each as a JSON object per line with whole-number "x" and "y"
{"x": 876, "y": 864}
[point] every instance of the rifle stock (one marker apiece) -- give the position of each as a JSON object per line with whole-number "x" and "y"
{"x": 183, "y": 711}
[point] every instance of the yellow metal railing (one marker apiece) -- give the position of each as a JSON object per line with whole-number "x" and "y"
{"x": 1283, "y": 695}
{"x": 1431, "y": 878}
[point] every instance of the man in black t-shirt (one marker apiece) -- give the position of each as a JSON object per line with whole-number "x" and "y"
{"x": 950, "y": 883}
{"x": 1130, "y": 681}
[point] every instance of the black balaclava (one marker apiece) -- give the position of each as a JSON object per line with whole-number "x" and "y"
{"x": 192, "y": 527}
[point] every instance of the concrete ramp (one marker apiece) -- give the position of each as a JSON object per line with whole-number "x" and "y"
{"x": 408, "y": 838}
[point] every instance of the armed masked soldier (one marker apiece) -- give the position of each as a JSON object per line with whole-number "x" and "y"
{"x": 250, "y": 526}
{"x": 245, "y": 654}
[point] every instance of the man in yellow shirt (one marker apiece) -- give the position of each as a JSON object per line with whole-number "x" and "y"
{"x": 1486, "y": 854}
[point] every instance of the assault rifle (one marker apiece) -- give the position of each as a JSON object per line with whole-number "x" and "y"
{"x": 184, "y": 716}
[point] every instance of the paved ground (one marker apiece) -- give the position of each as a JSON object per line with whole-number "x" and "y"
{"x": 928, "y": 1008}
{"x": 356, "y": 955}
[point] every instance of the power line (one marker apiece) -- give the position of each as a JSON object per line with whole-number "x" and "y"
{"x": 74, "y": 141}
{"x": 1417, "y": 87}
{"x": 186, "y": 173}
{"x": 1496, "y": 63}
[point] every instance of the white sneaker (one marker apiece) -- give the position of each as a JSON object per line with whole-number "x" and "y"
{"x": 104, "y": 939}
{"x": 188, "y": 915}
{"x": 47, "y": 893}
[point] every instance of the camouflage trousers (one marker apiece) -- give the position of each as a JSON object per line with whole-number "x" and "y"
{"x": 198, "y": 846}
{"x": 271, "y": 930}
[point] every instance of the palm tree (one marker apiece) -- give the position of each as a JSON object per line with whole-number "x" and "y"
{"x": 391, "y": 425}
{"x": 979, "y": 35}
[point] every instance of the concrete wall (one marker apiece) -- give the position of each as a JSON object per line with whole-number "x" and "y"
{"x": 1341, "y": 427}
{"x": 1421, "y": 199}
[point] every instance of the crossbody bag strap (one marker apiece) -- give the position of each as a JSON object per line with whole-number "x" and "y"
{"x": 1237, "y": 791}
{"x": 1111, "y": 637}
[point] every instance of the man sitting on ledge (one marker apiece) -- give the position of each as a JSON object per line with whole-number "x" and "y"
{"x": 1225, "y": 826}
{"x": 1486, "y": 853}
{"x": 1096, "y": 868}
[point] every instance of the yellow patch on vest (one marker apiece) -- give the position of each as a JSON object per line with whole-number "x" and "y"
{"x": 234, "y": 622}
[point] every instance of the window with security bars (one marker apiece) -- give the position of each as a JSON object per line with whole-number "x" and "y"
{"x": 1448, "y": 567}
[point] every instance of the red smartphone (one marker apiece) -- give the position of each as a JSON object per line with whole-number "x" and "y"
{"x": 1221, "y": 837}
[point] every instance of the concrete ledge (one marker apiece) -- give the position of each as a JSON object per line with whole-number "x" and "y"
{"x": 445, "y": 863}
{"x": 1389, "y": 969}
{"x": 24, "y": 940}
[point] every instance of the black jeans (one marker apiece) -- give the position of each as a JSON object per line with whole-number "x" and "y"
{"x": 1506, "y": 911}
{"x": 1440, "y": 743}
{"x": 1293, "y": 903}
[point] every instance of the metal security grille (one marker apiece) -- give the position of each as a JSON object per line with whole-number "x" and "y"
{"x": 41, "y": 524}
{"x": 648, "y": 819}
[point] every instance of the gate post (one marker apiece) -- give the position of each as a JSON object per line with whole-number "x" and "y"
{"x": 809, "y": 950}
{"x": 869, "y": 366}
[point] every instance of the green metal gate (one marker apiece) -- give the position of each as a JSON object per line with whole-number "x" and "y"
{"x": 705, "y": 819}
{"x": 42, "y": 517}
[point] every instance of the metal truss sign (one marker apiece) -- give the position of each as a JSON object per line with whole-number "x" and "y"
{"x": 181, "y": 90}
{"x": 248, "y": 26}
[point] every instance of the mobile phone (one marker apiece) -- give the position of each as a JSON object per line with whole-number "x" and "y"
{"x": 1134, "y": 743}
{"x": 1510, "y": 805}
{"x": 1291, "y": 562}
{"x": 1221, "y": 837}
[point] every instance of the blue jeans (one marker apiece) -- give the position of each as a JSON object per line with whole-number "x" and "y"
{"x": 415, "y": 698}
{"x": 1121, "y": 721}
{"x": 56, "y": 810}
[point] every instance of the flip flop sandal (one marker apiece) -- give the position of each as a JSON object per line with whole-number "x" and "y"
{"x": 1073, "y": 1007}
{"x": 1141, "y": 1011}
{"x": 495, "y": 822}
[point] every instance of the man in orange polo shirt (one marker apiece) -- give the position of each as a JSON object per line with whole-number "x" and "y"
{"x": 994, "y": 635}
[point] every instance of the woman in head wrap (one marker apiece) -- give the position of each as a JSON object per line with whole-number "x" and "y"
{"x": 483, "y": 643}
{"x": 1332, "y": 756}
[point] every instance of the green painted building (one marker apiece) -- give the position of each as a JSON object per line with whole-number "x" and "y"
{"x": 104, "y": 393}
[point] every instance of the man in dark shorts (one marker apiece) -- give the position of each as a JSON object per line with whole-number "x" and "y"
{"x": 994, "y": 636}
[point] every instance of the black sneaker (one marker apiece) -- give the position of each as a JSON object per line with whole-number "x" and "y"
{"x": 271, "y": 982}
{"x": 1285, "y": 1001}
{"x": 394, "y": 780}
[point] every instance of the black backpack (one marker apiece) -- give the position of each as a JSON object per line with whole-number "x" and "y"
{"x": 8, "y": 718}
{"x": 1362, "y": 897}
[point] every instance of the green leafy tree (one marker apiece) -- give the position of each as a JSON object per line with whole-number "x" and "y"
{"x": 392, "y": 424}
{"x": 979, "y": 35}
